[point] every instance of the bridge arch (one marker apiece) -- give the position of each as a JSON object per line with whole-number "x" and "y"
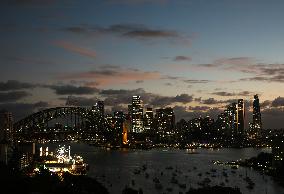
{"x": 39, "y": 119}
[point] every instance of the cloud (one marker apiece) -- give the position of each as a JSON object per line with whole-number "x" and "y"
{"x": 272, "y": 118}
{"x": 70, "y": 89}
{"x": 183, "y": 98}
{"x": 79, "y": 101}
{"x": 182, "y": 113}
{"x": 243, "y": 93}
{"x": 168, "y": 100}
{"x": 189, "y": 113}
{"x": 138, "y": 31}
{"x": 137, "y": 2}
{"x": 263, "y": 72}
{"x": 21, "y": 110}
{"x": 110, "y": 76}
{"x": 276, "y": 78}
{"x": 182, "y": 58}
{"x": 171, "y": 77}
{"x": 211, "y": 101}
{"x": 236, "y": 61}
{"x": 15, "y": 85}
{"x": 75, "y": 49}
{"x": 118, "y": 97}
{"x": 13, "y": 96}
{"x": 41, "y": 104}
{"x": 279, "y": 101}
{"x": 168, "y": 84}
{"x": 198, "y": 108}
{"x": 149, "y": 33}
{"x": 265, "y": 103}
{"x": 196, "y": 81}
{"x": 118, "y": 108}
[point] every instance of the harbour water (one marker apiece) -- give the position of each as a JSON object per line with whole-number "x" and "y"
{"x": 175, "y": 170}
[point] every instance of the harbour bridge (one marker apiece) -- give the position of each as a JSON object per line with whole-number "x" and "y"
{"x": 83, "y": 123}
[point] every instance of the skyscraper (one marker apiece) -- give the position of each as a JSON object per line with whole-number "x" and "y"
{"x": 136, "y": 114}
{"x": 98, "y": 120}
{"x": 256, "y": 125}
{"x": 231, "y": 121}
{"x": 6, "y": 125}
{"x": 256, "y": 117}
{"x": 240, "y": 117}
{"x": 165, "y": 118}
{"x": 101, "y": 107}
{"x": 148, "y": 120}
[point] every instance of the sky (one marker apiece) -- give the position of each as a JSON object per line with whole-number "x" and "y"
{"x": 196, "y": 56}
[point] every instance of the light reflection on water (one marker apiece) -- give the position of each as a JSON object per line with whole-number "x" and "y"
{"x": 115, "y": 169}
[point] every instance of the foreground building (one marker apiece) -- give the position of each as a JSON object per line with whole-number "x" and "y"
{"x": 256, "y": 125}
{"x": 136, "y": 114}
{"x": 6, "y": 125}
{"x": 165, "y": 120}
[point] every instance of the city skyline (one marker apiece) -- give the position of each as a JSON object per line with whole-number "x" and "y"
{"x": 194, "y": 56}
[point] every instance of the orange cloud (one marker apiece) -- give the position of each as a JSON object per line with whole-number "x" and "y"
{"x": 235, "y": 61}
{"x": 75, "y": 49}
{"x": 106, "y": 77}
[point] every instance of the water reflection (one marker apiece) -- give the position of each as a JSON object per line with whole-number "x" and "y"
{"x": 171, "y": 170}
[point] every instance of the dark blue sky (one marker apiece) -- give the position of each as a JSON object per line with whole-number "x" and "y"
{"x": 212, "y": 51}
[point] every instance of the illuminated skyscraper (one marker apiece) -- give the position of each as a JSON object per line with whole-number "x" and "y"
{"x": 240, "y": 117}
{"x": 98, "y": 121}
{"x": 6, "y": 125}
{"x": 256, "y": 117}
{"x": 136, "y": 113}
{"x": 101, "y": 107}
{"x": 148, "y": 120}
{"x": 231, "y": 122}
{"x": 118, "y": 118}
{"x": 256, "y": 125}
{"x": 165, "y": 118}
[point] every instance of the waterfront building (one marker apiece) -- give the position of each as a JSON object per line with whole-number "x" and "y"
{"x": 126, "y": 128}
{"x": 148, "y": 120}
{"x": 4, "y": 151}
{"x": 118, "y": 119}
{"x": 256, "y": 125}
{"x": 278, "y": 151}
{"x": 231, "y": 120}
{"x": 136, "y": 114}
{"x": 6, "y": 125}
{"x": 240, "y": 117}
{"x": 62, "y": 161}
{"x": 27, "y": 152}
{"x": 98, "y": 110}
{"x": 165, "y": 119}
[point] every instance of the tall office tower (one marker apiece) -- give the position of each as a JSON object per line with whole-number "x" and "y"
{"x": 101, "y": 107}
{"x": 148, "y": 120}
{"x": 256, "y": 117}
{"x": 98, "y": 115}
{"x": 231, "y": 119}
{"x": 6, "y": 125}
{"x": 241, "y": 117}
{"x": 136, "y": 114}
{"x": 165, "y": 118}
{"x": 118, "y": 118}
{"x": 109, "y": 122}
